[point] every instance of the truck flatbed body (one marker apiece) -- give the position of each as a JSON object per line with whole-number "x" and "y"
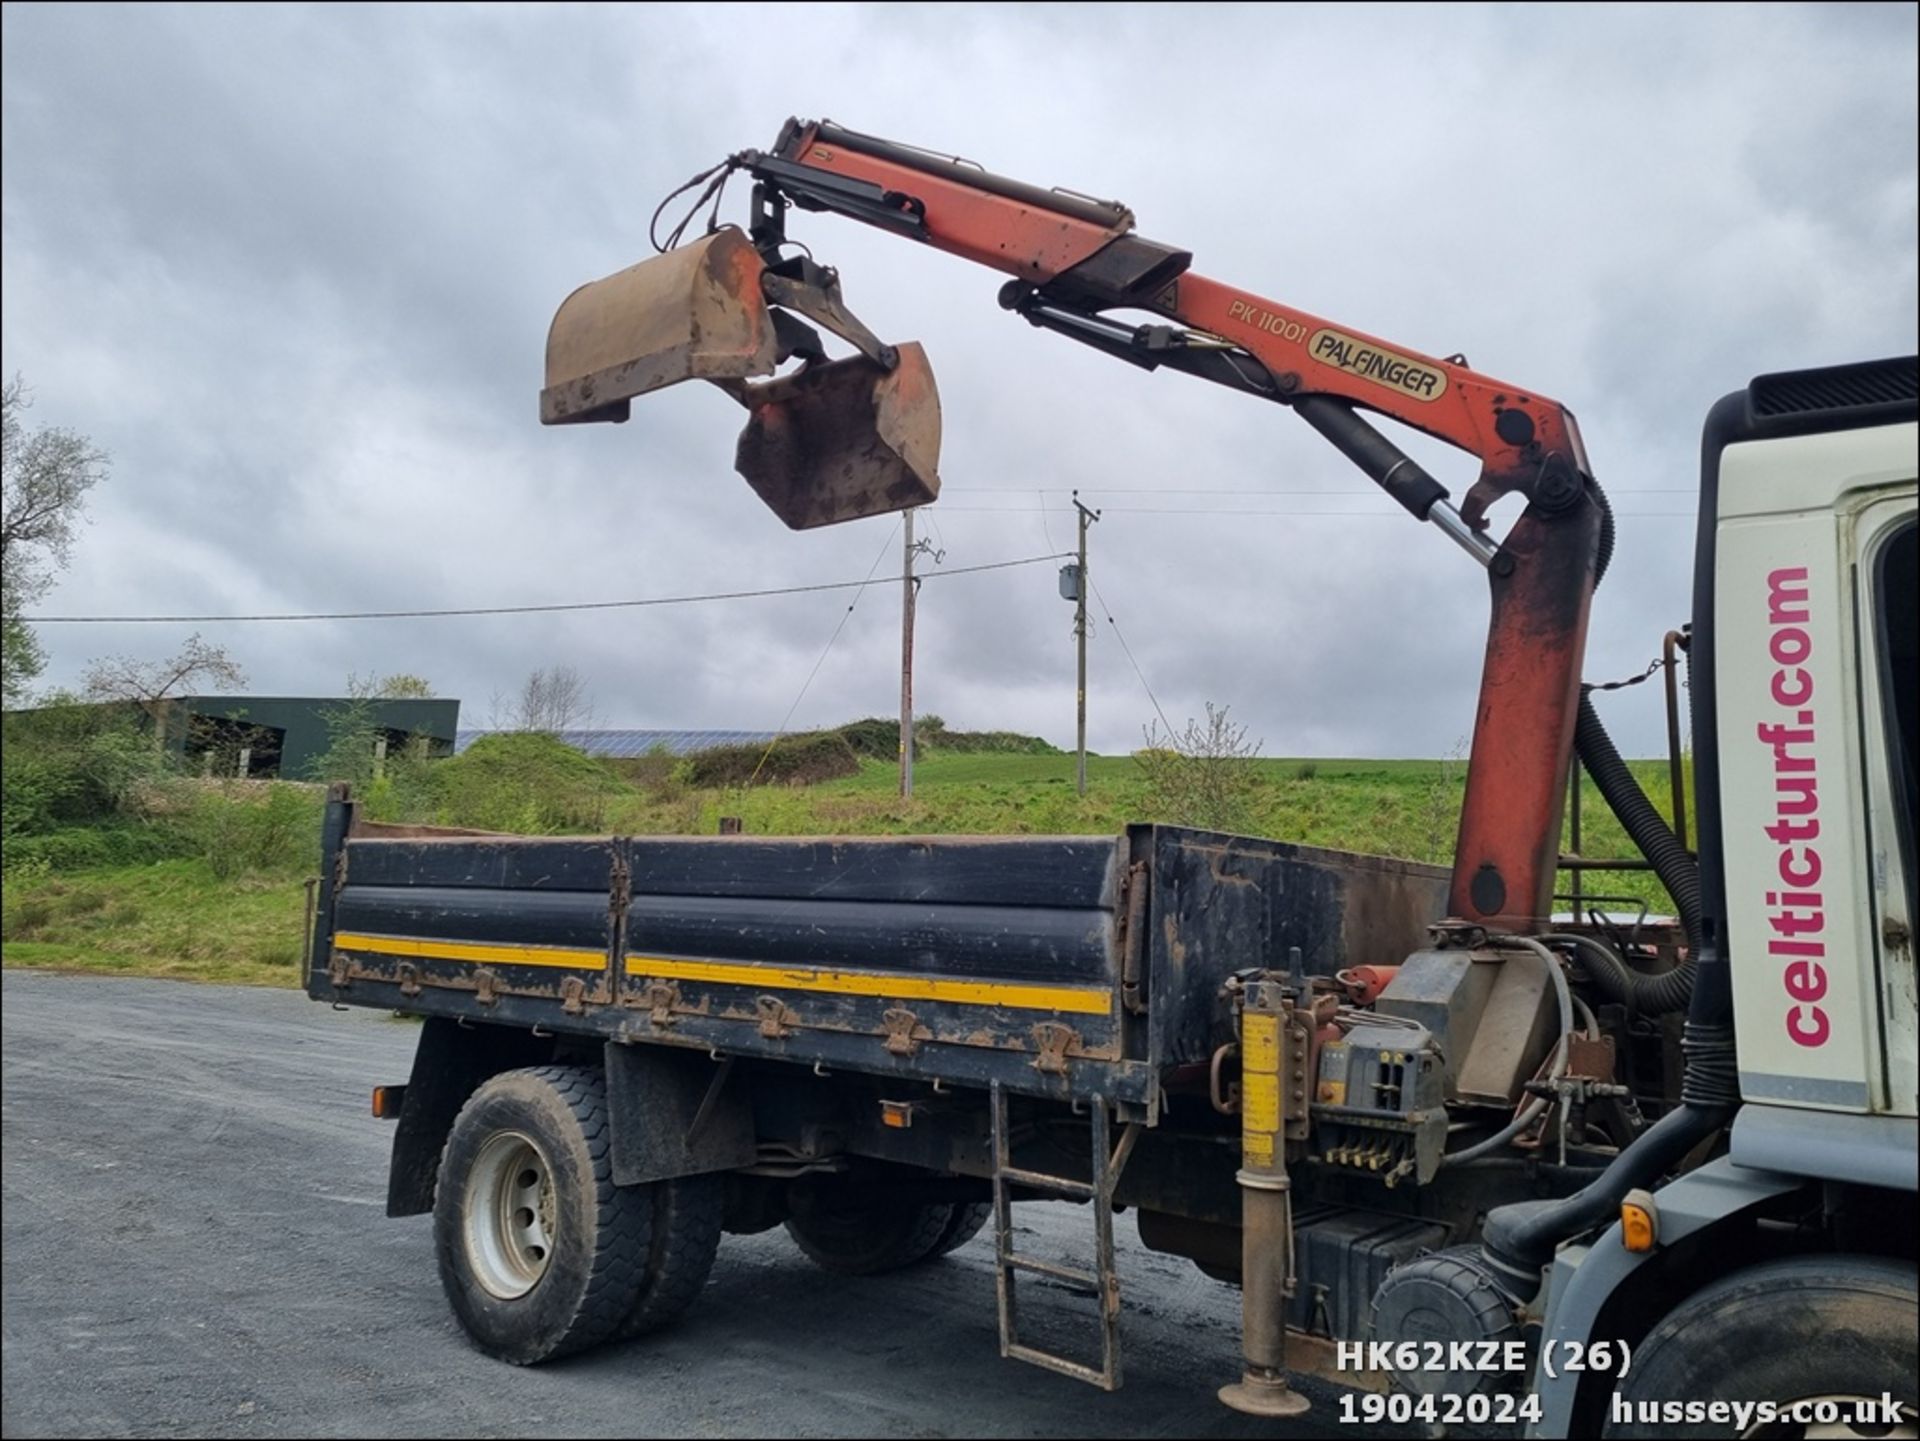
{"x": 1064, "y": 966}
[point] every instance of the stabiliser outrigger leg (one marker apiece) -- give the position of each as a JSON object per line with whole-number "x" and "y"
{"x": 837, "y": 440}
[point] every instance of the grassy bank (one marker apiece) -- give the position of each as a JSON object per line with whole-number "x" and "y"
{"x": 208, "y": 885}
{"x": 172, "y": 918}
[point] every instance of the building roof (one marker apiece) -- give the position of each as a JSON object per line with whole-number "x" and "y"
{"x": 622, "y": 744}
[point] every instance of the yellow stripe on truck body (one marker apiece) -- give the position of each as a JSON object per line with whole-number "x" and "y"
{"x": 893, "y": 985}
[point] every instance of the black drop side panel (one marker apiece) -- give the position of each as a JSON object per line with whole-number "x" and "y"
{"x": 1000, "y": 908}
{"x": 533, "y": 913}
{"x": 1054, "y": 872}
{"x": 974, "y": 960}
{"x": 1222, "y": 904}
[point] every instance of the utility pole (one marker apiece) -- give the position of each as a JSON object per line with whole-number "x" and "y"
{"x": 1087, "y": 517}
{"x": 906, "y": 656}
{"x": 909, "y": 590}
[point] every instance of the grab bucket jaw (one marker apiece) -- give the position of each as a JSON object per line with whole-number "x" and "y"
{"x": 843, "y": 439}
{"x": 833, "y": 441}
{"x": 696, "y": 313}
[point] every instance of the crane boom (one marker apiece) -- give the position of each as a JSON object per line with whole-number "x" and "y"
{"x": 818, "y": 454}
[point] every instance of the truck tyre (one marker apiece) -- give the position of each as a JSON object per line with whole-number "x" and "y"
{"x": 865, "y": 1236}
{"x": 969, "y": 1219}
{"x": 685, "y": 1238}
{"x": 1814, "y": 1328}
{"x": 541, "y": 1255}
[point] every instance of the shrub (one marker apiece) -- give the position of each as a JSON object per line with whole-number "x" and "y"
{"x": 795, "y": 760}
{"x": 398, "y": 787}
{"x": 68, "y": 763}
{"x": 1306, "y": 771}
{"x": 24, "y": 919}
{"x": 77, "y": 848}
{"x": 1201, "y": 777}
{"x": 877, "y": 739}
{"x": 1001, "y": 742}
{"x": 238, "y": 827}
{"x": 522, "y": 781}
{"x": 660, "y": 774}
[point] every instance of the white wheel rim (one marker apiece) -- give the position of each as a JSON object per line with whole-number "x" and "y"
{"x": 509, "y": 1223}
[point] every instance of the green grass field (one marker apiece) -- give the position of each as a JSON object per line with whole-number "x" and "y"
{"x": 178, "y": 918}
{"x": 171, "y": 918}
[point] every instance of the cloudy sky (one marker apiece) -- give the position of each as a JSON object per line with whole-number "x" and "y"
{"x": 293, "y": 267}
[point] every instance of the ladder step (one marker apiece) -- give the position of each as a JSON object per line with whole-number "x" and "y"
{"x": 1050, "y": 1362}
{"x": 1051, "y": 1268}
{"x": 1040, "y": 1181}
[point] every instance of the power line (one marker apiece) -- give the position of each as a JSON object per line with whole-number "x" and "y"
{"x": 522, "y": 609}
{"x": 1238, "y": 490}
{"x": 845, "y": 616}
{"x": 1119, "y": 636}
{"x": 1393, "y": 514}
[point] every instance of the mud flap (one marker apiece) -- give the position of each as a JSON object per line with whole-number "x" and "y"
{"x": 675, "y": 1114}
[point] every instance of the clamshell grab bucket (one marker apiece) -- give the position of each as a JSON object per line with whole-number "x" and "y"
{"x": 843, "y": 439}
{"x": 834, "y": 441}
{"x": 695, "y": 313}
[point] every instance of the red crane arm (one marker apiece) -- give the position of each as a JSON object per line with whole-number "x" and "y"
{"x": 1044, "y": 236}
{"x": 1074, "y": 259}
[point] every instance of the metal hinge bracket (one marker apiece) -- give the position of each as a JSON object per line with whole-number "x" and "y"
{"x": 776, "y": 1021}
{"x": 660, "y": 998}
{"x": 900, "y": 1025}
{"x": 1054, "y": 1042}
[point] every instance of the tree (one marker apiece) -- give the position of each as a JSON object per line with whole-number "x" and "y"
{"x": 45, "y": 474}
{"x": 398, "y": 686}
{"x": 153, "y": 684}
{"x": 548, "y": 701}
{"x": 21, "y": 658}
{"x": 1202, "y": 776}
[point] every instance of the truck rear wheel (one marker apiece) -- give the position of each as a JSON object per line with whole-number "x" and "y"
{"x": 1824, "y": 1330}
{"x": 861, "y": 1233}
{"x": 969, "y": 1220}
{"x": 541, "y": 1255}
{"x": 685, "y": 1238}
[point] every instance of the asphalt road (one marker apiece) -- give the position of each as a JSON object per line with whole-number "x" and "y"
{"x": 194, "y": 1244}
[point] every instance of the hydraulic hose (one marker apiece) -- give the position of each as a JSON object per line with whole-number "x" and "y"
{"x": 1659, "y": 995}
{"x": 1603, "y": 556}
{"x": 1520, "y": 1238}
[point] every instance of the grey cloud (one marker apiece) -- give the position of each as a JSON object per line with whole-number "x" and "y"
{"x": 293, "y": 267}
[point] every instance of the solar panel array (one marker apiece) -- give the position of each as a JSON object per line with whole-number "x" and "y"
{"x": 621, "y": 744}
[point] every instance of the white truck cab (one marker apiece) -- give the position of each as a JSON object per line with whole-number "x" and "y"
{"x": 1777, "y": 1295}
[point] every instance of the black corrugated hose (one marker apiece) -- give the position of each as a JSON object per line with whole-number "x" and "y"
{"x": 1659, "y": 995}
{"x": 1648, "y": 828}
{"x": 1651, "y": 995}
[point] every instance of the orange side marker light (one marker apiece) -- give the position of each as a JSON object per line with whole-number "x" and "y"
{"x": 1639, "y": 1222}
